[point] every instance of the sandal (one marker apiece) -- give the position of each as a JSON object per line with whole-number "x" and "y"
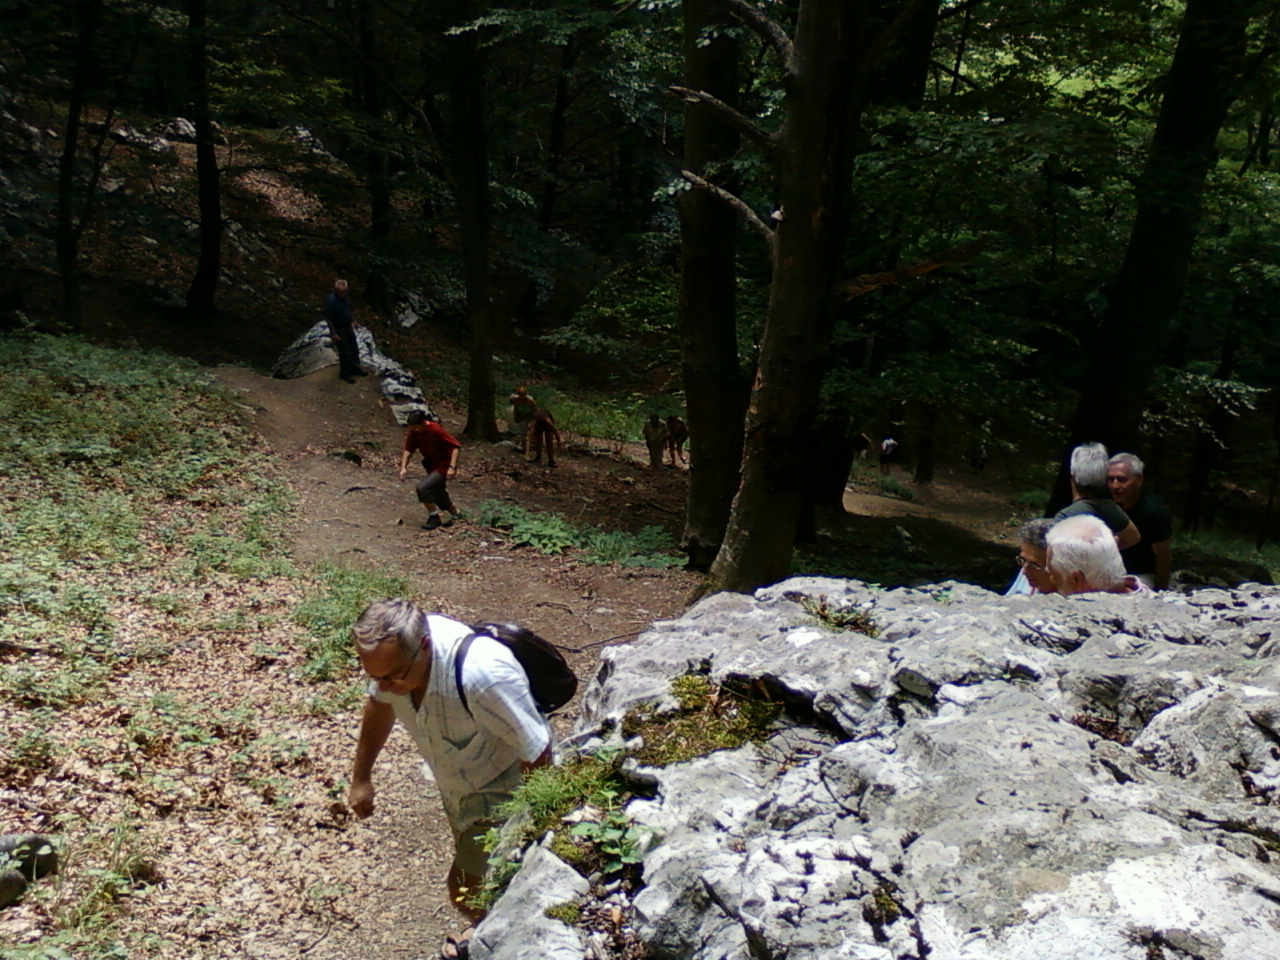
{"x": 457, "y": 948}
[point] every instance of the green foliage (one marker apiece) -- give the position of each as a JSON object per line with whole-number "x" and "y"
{"x": 710, "y": 718}
{"x": 552, "y": 534}
{"x": 336, "y": 597}
{"x": 591, "y": 785}
{"x": 840, "y": 618}
{"x": 569, "y": 913}
{"x": 893, "y": 487}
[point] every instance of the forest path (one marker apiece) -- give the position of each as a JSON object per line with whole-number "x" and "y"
{"x": 388, "y": 871}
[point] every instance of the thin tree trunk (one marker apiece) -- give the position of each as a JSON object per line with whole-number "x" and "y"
{"x": 1204, "y": 78}
{"x": 68, "y": 233}
{"x": 471, "y": 174}
{"x": 715, "y": 395}
{"x": 926, "y": 435}
{"x": 200, "y": 296}
{"x": 376, "y": 161}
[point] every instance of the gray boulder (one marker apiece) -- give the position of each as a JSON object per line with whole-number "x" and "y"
{"x": 314, "y": 351}
{"x": 977, "y": 778}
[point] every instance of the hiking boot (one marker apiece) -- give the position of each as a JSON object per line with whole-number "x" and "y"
{"x": 432, "y": 522}
{"x": 348, "y": 377}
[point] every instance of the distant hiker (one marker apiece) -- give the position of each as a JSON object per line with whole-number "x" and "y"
{"x": 655, "y": 438}
{"x": 478, "y": 737}
{"x": 1083, "y": 558}
{"x": 342, "y": 331}
{"x": 542, "y": 429}
{"x": 439, "y": 458}
{"x": 523, "y": 407}
{"x": 862, "y": 446}
{"x": 887, "y": 446}
{"x": 677, "y": 434}
{"x": 1151, "y": 559}
{"x": 1091, "y": 495}
{"x": 1033, "y": 565}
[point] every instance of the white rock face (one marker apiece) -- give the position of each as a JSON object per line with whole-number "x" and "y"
{"x": 988, "y": 778}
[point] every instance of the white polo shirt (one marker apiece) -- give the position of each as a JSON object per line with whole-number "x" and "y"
{"x": 474, "y": 755}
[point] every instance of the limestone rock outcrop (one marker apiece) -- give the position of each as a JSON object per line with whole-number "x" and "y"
{"x": 314, "y": 351}
{"x": 985, "y": 778}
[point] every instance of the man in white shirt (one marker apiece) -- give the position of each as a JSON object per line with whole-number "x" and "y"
{"x": 478, "y": 751}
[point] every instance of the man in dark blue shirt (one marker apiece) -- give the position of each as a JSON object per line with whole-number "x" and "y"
{"x": 341, "y": 320}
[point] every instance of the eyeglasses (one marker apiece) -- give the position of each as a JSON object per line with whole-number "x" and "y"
{"x": 1029, "y": 564}
{"x": 398, "y": 677}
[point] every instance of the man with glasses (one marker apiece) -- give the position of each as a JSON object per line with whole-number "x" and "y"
{"x": 477, "y": 751}
{"x": 1033, "y": 572}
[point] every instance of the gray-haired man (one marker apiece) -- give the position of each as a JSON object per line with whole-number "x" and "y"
{"x": 1151, "y": 559}
{"x": 478, "y": 751}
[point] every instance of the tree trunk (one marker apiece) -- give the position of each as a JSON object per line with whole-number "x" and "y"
{"x": 814, "y": 159}
{"x": 1204, "y": 78}
{"x": 715, "y": 396}
{"x": 68, "y": 232}
{"x": 926, "y": 435}
{"x": 471, "y": 174}
{"x": 827, "y": 463}
{"x": 376, "y": 162}
{"x": 201, "y": 293}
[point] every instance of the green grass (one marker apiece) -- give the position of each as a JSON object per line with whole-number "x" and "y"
{"x": 140, "y": 514}
{"x": 1230, "y": 547}
{"x": 552, "y": 534}
{"x": 335, "y": 599}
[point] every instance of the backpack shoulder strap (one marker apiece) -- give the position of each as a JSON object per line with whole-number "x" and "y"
{"x": 458, "y": 657}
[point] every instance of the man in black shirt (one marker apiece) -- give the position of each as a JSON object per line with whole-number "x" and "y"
{"x": 1151, "y": 559}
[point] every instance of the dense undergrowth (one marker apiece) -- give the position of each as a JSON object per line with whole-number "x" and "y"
{"x": 144, "y": 572}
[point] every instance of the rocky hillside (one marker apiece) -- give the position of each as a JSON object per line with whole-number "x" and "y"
{"x": 960, "y": 776}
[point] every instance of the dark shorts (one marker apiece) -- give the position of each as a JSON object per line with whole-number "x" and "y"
{"x": 433, "y": 488}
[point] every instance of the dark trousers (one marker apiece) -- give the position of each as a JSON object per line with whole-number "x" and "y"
{"x": 348, "y": 350}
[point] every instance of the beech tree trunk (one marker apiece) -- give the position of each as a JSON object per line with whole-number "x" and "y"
{"x": 200, "y": 295}
{"x": 1204, "y": 78}
{"x": 814, "y": 167}
{"x": 471, "y": 175}
{"x": 715, "y": 394}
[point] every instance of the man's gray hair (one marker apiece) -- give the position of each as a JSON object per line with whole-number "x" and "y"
{"x": 384, "y": 621}
{"x": 1089, "y": 469}
{"x": 1132, "y": 461}
{"x": 1084, "y": 544}
{"x": 1033, "y": 532}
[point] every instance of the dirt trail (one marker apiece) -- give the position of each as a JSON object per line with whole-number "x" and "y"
{"x": 359, "y": 513}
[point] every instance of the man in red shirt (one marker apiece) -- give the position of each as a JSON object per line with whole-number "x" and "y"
{"x": 440, "y": 459}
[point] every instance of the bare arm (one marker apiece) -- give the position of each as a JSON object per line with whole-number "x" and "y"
{"x": 1127, "y": 537}
{"x": 375, "y": 727}
{"x": 404, "y": 463}
{"x": 1164, "y": 563}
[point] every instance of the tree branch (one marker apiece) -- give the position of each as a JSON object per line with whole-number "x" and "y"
{"x": 772, "y": 32}
{"x": 753, "y": 221}
{"x": 762, "y": 138}
{"x": 866, "y": 282}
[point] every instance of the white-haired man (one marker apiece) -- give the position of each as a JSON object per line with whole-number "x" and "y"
{"x": 1083, "y": 558}
{"x": 1092, "y": 497}
{"x": 1150, "y": 560}
{"x": 478, "y": 749}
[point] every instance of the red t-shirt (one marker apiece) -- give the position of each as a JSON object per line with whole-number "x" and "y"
{"x": 434, "y": 443}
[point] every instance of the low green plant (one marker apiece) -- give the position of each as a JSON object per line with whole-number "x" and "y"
{"x": 1230, "y": 547}
{"x": 569, "y": 913}
{"x": 610, "y": 845}
{"x": 711, "y": 717}
{"x": 839, "y": 617}
{"x": 893, "y": 487}
{"x": 552, "y": 534}
{"x": 335, "y": 598}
